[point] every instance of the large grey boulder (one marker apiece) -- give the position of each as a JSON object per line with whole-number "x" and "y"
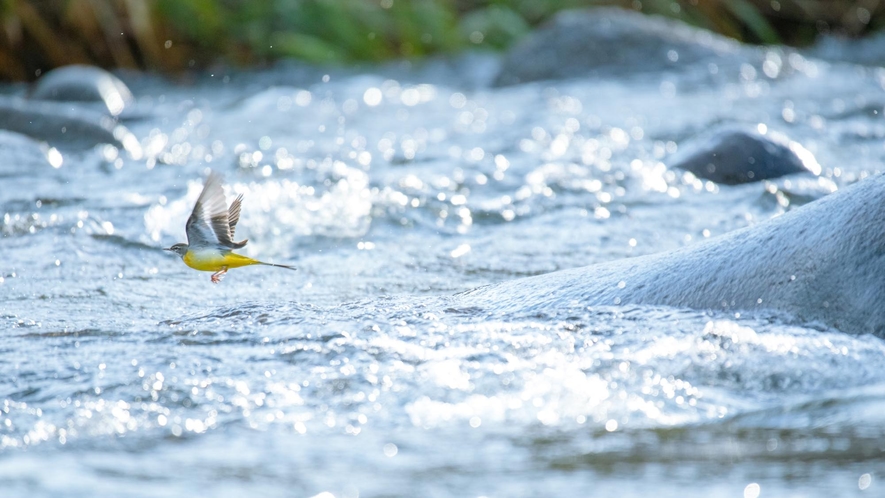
{"x": 823, "y": 262}
{"x": 609, "y": 41}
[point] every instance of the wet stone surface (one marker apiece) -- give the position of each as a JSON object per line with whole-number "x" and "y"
{"x": 734, "y": 156}
{"x": 614, "y": 42}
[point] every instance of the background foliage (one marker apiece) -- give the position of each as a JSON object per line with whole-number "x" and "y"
{"x": 172, "y": 35}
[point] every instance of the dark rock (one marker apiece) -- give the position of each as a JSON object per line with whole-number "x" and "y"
{"x": 83, "y": 84}
{"x": 65, "y": 125}
{"x": 608, "y": 41}
{"x": 734, "y": 155}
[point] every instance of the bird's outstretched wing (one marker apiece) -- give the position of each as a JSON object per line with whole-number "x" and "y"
{"x": 233, "y": 214}
{"x": 210, "y": 222}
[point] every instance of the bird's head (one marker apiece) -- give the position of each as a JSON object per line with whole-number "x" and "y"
{"x": 180, "y": 249}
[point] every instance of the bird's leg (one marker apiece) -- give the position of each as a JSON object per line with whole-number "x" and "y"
{"x": 217, "y": 276}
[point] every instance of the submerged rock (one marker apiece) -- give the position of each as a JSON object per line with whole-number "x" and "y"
{"x": 823, "y": 262}
{"x": 79, "y": 83}
{"x": 65, "y": 125}
{"x": 608, "y": 41}
{"x": 733, "y": 156}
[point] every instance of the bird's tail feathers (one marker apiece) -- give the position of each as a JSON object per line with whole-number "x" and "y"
{"x": 279, "y": 266}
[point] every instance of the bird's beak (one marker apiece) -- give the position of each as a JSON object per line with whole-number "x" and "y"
{"x": 167, "y": 248}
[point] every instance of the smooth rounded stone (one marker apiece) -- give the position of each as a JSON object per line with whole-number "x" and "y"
{"x": 65, "y": 125}
{"x": 734, "y": 156}
{"x": 821, "y": 263}
{"x": 78, "y": 83}
{"x": 608, "y": 41}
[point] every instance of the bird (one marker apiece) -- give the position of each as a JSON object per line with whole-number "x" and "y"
{"x": 210, "y": 233}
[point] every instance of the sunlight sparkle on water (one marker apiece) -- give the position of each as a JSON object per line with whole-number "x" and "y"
{"x": 864, "y": 481}
{"x": 372, "y": 97}
{"x": 752, "y": 490}
{"x": 54, "y": 157}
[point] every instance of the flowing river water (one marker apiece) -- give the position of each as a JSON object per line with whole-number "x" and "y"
{"x": 393, "y": 189}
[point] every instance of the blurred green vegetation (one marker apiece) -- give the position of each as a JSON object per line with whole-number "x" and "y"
{"x": 172, "y": 35}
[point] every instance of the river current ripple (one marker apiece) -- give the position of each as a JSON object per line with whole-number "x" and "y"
{"x": 392, "y": 189}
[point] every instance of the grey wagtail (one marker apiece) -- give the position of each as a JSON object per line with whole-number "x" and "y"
{"x": 210, "y": 233}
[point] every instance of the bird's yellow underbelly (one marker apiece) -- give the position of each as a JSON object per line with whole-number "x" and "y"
{"x": 216, "y": 260}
